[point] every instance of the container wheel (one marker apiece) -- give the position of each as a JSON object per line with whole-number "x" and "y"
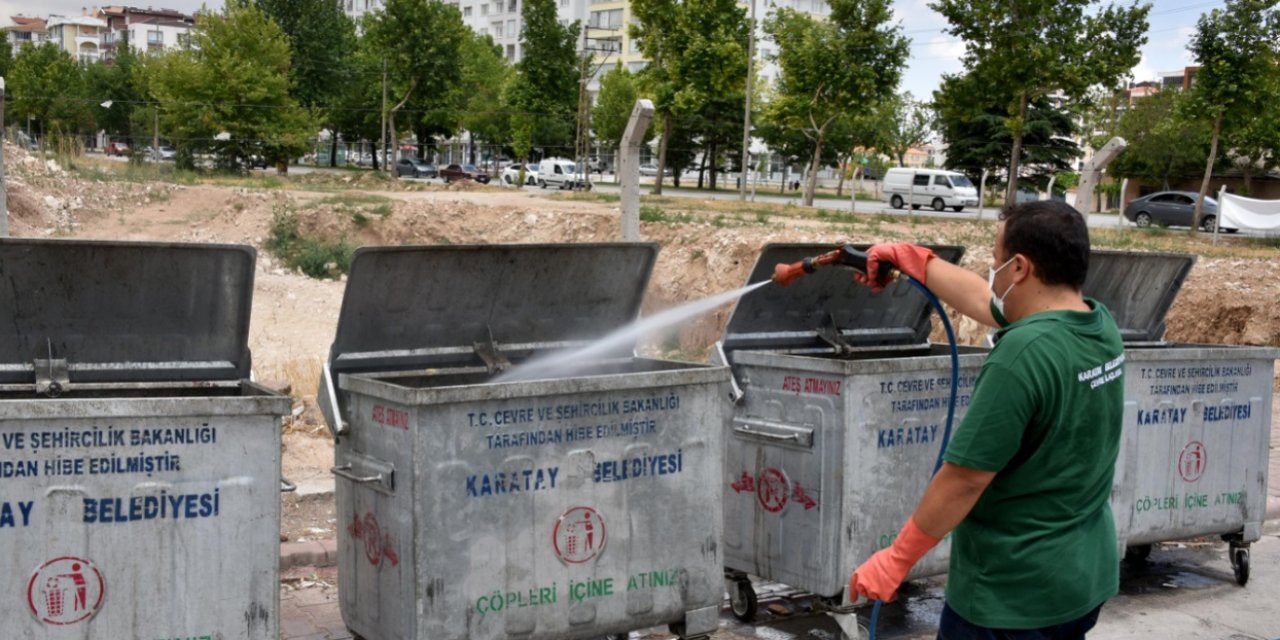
{"x": 1240, "y": 564}
{"x": 915, "y": 206}
{"x": 1137, "y": 554}
{"x": 896, "y": 202}
{"x": 742, "y": 600}
{"x": 939, "y": 205}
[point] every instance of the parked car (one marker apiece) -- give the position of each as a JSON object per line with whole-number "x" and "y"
{"x": 562, "y": 174}
{"x": 651, "y": 169}
{"x": 117, "y": 149}
{"x": 463, "y": 172}
{"x": 164, "y": 152}
{"x": 416, "y": 168}
{"x": 937, "y": 188}
{"x": 512, "y": 173}
{"x": 1172, "y": 208}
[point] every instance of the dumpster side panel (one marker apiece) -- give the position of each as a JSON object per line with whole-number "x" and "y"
{"x": 559, "y": 515}
{"x": 876, "y": 426}
{"x": 1196, "y": 435}
{"x": 376, "y": 508}
{"x": 154, "y": 523}
{"x": 784, "y": 477}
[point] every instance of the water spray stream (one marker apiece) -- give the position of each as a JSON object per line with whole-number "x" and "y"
{"x": 563, "y": 364}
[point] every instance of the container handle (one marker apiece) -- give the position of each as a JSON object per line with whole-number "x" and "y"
{"x": 783, "y": 437}
{"x": 336, "y": 426}
{"x": 286, "y": 486}
{"x": 344, "y": 471}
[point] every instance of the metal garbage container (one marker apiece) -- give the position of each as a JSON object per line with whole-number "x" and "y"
{"x": 1197, "y": 423}
{"x": 572, "y": 506}
{"x": 842, "y": 408}
{"x": 140, "y": 468}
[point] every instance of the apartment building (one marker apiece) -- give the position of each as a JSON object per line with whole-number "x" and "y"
{"x": 80, "y": 36}
{"x": 26, "y": 31}
{"x": 145, "y": 30}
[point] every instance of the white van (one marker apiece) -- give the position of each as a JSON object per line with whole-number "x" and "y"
{"x": 560, "y": 173}
{"x": 936, "y": 188}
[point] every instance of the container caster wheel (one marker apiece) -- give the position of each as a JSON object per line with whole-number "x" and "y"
{"x": 1137, "y": 554}
{"x": 678, "y": 629}
{"x": 1240, "y": 564}
{"x": 742, "y": 600}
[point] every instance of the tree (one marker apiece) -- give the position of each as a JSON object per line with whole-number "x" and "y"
{"x": 1033, "y": 49}
{"x": 904, "y": 124}
{"x": 543, "y": 97}
{"x": 1164, "y": 142}
{"x": 1236, "y": 49}
{"x": 485, "y": 75}
{"x": 46, "y": 85}
{"x": 116, "y": 83}
{"x": 826, "y": 67}
{"x": 654, "y": 31}
{"x": 616, "y": 101}
{"x": 323, "y": 41}
{"x": 421, "y": 42}
{"x": 6, "y": 57}
{"x": 229, "y": 92}
{"x": 979, "y": 139}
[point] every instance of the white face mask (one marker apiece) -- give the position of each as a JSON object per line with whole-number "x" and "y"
{"x": 998, "y": 300}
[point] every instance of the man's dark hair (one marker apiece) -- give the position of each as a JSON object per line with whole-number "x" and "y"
{"x": 1053, "y": 236}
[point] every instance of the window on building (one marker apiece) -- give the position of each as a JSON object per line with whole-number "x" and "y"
{"x": 511, "y": 6}
{"x": 564, "y": 3}
{"x": 155, "y": 37}
{"x": 611, "y": 19}
{"x": 351, "y": 5}
{"x": 498, "y": 5}
{"x": 608, "y": 45}
{"x": 511, "y": 52}
{"x": 497, "y": 29}
{"x": 184, "y": 40}
{"x": 484, "y": 9}
{"x": 511, "y": 29}
{"x": 466, "y": 12}
{"x": 636, "y": 66}
{"x": 635, "y": 45}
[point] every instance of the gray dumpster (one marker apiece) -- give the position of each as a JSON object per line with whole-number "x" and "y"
{"x": 1197, "y": 417}
{"x": 576, "y": 506}
{"x": 835, "y": 436}
{"x": 140, "y": 469}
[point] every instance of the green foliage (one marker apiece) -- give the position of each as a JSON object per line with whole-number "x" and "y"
{"x": 1165, "y": 140}
{"x": 6, "y": 57}
{"x": 46, "y": 85}
{"x": 1028, "y": 50}
{"x": 233, "y": 80}
{"x": 322, "y": 39}
{"x": 544, "y": 95}
{"x": 904, "y": 123}
{"x": 827, "y": 67}
{"x": 485, "y": 76}
{"x": 313, "y": 256}
{"x": 979, "y": 138}
{"x": 618, "y": 94}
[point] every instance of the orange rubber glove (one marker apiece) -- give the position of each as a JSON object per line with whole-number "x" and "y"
{"x": 880, "y": 576}
{"x": 910, "y": 259}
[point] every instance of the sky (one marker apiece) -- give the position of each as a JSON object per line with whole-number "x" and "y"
{"x": 933, "y": 52}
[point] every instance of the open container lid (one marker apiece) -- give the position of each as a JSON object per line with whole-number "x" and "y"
{"x": 125, "y": 311}
{"x": 408, "y": 308}
{"x": 1138, "y": 288}
{"x": 828, "y": 301}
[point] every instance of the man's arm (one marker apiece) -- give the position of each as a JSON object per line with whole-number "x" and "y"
{"x": 961, "y": 289}
{"x": 950, "y": 497}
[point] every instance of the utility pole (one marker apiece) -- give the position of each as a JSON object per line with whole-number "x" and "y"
{"x": 579, "y": 141}
{"x": 155, "y": 133}
{"x": 382, "y": 133}
{"x": 4, "y": 189}
{"x": 746, "y": 115}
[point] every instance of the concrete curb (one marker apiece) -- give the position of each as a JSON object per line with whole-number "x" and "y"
{"x": 316, "y": 553}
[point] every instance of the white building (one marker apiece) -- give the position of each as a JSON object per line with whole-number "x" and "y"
{"x": 25, "y": 31}
{"x": 80, "y": 36}
{"x": 146, "y": 30}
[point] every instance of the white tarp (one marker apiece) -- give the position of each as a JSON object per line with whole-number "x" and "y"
{"x": 1236, "y": 212}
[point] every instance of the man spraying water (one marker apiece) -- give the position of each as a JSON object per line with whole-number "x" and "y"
{"x": 1028, "y": 473}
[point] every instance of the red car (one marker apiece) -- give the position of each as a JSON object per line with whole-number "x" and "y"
{"x": 463, "y": 172}
{"x": 117, "y": 149}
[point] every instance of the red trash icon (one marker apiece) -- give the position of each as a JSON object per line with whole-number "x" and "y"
{"x": 1192, "y": 460}
{"x": 65, "y": 591}
{"x": 578, "y": 535}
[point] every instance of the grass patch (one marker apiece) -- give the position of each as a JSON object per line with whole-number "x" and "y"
{"x": 650, "y": 213}
{"x": 315, "y": 257}
{"x": 351, "y": 199}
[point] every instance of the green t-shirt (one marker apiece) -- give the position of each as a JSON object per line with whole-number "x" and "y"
{"x": 1039, "y": 547}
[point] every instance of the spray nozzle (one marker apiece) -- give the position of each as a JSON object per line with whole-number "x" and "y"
{"x": 785, "y": 274}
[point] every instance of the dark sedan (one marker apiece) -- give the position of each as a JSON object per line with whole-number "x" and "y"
{"x": 1172, "y": 208}
{"x": 463, "y": 172}
{"x": 416, "y": 168}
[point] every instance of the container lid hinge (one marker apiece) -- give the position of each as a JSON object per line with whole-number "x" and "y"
{"x": 488, "y": 351}
{"x": 51, "y": 374}
{"x": 830, "y": 334}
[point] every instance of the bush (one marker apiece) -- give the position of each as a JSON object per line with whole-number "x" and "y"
{"x": 315, "y": 257}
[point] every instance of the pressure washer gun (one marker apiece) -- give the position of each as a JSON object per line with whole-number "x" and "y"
{"x": 785, "y": 274}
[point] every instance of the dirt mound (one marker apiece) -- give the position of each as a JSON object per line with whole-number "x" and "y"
{"x": 1228, "y": 301}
